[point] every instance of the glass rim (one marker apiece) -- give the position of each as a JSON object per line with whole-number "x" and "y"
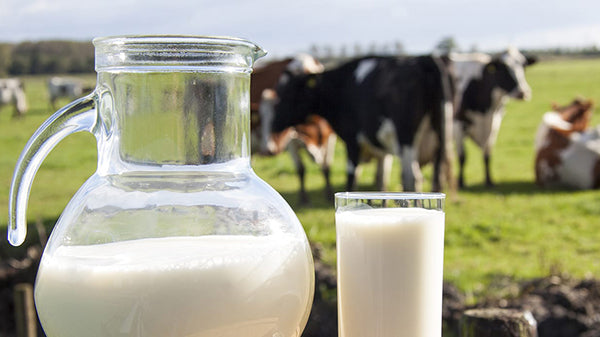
{"x": 390, "y": 195}
{"x": 174, "y": 39}
{"x": 184, "y": 51}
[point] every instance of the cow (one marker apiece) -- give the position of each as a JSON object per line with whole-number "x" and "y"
{"x": 314, "y": 135}
{"x": 62, "y": 87}
{"x": 12, "y": 92}
{"x": 379, "y": 106}
{"x": 484, "y": 83}
{"x": 567, "y": 151}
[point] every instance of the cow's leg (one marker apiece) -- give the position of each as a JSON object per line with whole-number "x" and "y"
{"x": 488, "y": 176}
{"x": 436, "y": 185}
{"x": 412, "y": 179}
{"x": 328, "y": 188}
{"x": 21, "y": 102}
{"x": 384, "y": 169}
{"x": 352, "y": 149}
{"x": 266, "y": 113}
{"x": 460, "y": 152}
{"x": 327, "y": 164}
{"x": 461, "y": 168}
{"x": 294, "y": 151}
{"x": 488, "y": 145}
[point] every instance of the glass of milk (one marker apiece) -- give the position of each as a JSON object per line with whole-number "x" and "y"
{"x": 390, "y": 256}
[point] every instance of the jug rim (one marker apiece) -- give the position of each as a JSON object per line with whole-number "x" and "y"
{"x": 142, "y": 51}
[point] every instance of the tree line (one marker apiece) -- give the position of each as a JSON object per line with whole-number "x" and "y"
{"x": 68, "y": 57}
{"x": 46, "y": 57}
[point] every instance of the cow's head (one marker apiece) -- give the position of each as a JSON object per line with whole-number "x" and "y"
{"x": 574, "y": 117}
{"x": 297, "y": 97}
{"x": 300, "y": 66}
{"x": 508, "y": 69}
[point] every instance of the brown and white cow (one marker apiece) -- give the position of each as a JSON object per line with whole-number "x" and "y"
{"x": 484, "y": 84}
{"x": 12, "y": 93}
{"x": 567, "y": 151}
{"x": 315, "y": 134}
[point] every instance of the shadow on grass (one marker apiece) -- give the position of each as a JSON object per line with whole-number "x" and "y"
{"x": 516, "y": 187}
{"x": 317, "y": 198}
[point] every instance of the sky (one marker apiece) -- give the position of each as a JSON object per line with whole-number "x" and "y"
{"x": 286, "y": 27}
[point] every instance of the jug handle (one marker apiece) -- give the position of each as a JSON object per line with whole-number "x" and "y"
{"x": 79, "y": 115}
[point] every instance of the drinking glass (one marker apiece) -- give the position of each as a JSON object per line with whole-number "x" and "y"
{"x": 390, "y": 254}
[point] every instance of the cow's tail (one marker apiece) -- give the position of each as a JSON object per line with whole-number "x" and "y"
{"x": 448, "y": 152}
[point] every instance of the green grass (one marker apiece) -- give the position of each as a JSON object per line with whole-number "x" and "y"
{"x": 515, "y": 229}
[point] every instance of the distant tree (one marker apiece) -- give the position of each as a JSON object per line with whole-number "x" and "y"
{"x": 5, "y": 58}
{"x": 328, "y": 51}
{"x": 48, "y": 57}
{"x": 372, "y": 48}
{"x": 343, "y": 51}
{"x": 398, "y": 48}
{"x": 447, "y": 45}
{"x": 314, "y": 50}
{"x": 358, "y": 49}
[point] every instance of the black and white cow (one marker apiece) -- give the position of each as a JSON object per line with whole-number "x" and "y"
{"x": 379, "y": 106}
{"x": 483, "y": 86}
{"x": 62, "y": 87}
{"x": 12, "y": 92}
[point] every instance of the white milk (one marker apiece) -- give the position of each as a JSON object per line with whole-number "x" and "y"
{"x": 390, "y": 272}
{"x": 225, "y": 286}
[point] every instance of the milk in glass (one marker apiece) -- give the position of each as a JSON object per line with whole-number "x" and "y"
{"x": 390, "y": 266}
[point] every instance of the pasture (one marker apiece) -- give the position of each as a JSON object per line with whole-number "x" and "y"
{"x": 515, "y": 230}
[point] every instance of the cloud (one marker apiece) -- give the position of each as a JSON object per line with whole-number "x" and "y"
{"x": 289, "y": 27}
{"x": 572, "y": 36}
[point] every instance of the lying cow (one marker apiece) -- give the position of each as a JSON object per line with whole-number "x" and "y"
{"x": 378, "y": 106}
{"x": 567, "y": 152}
{"x": 483, "y": 85}
{"x": 314, "y": 134}
{"x": 12, "y": 93}
{"x": 62, "y": 87}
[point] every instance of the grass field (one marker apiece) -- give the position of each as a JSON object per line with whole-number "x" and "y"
{"x": 515, "y": 230}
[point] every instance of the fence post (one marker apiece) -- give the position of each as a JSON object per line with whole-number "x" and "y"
{"x": 26, "y": 318}
{"x": 494, "y": 322}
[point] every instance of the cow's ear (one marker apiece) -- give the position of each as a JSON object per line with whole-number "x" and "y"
{"x": 529, "y": 60}
{"x": 490, "y": 68}
{"x": 311, "y": 82}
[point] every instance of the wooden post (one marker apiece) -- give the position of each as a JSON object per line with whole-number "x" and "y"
{"x": 25, "y": 315}
{"x": 497, "y": 323}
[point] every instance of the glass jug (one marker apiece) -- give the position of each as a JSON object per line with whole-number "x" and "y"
{"x": 174, "y": 234}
